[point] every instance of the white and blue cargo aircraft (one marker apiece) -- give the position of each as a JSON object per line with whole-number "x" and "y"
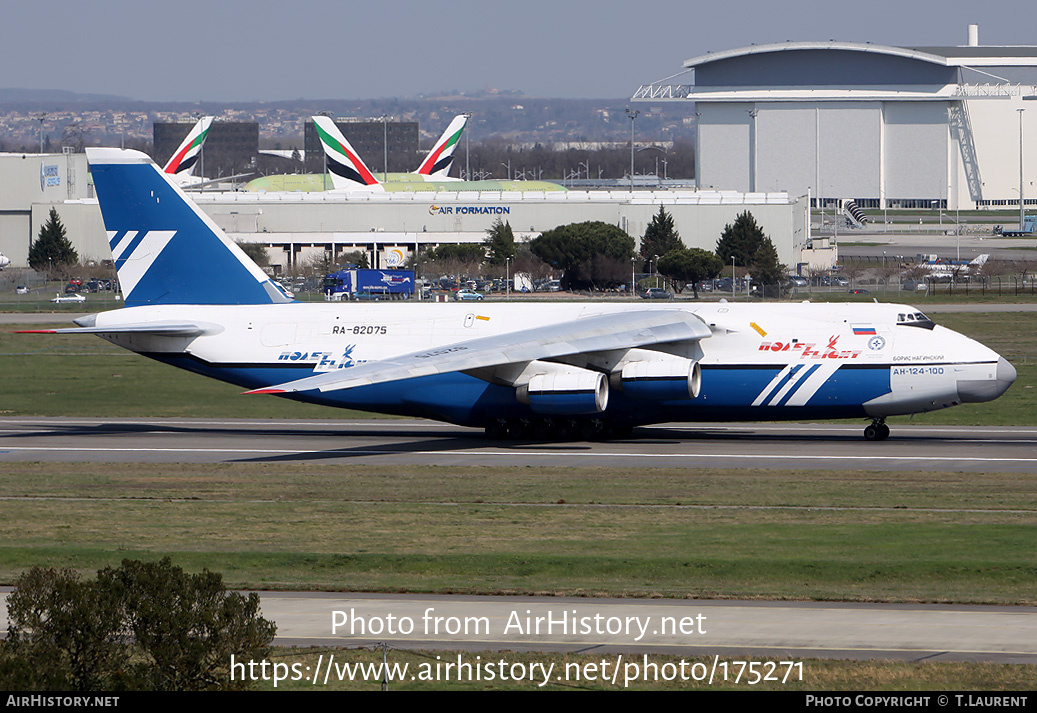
{"x": 195, "y": 301}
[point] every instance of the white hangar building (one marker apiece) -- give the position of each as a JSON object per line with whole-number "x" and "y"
{"x": 890, "y": 127}
{"x": 298, "y": 226}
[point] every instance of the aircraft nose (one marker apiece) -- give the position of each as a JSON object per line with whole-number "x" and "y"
{"x": 979, "y": 390}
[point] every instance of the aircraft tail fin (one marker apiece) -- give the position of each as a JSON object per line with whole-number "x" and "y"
{"x": 347, "y": 170}
{"x": 980, "y": 260}
{"x": 441, "y": 157}
{"x": 166, "y": 250}
{"x": 183, "y": 160}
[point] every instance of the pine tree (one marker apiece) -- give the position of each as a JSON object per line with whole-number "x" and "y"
{"x": 52, "y": 248}
{"x": 660, "y": 237}
{"x": 499, "y": 243}
{"x": 745, "y": 242}
{"x": 741, "y": 240}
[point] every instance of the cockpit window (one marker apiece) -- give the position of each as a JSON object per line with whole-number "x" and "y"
{"x": 915, "y": 319}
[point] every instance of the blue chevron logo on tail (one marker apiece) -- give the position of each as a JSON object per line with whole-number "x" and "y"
{"x": 166, "y": 250}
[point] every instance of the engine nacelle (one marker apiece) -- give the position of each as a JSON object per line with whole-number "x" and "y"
{"x": 673, "y": 379}
{"x": 571, "y": 392}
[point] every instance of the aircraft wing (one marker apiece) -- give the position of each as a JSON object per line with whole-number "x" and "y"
{"x": 622, "y": 330}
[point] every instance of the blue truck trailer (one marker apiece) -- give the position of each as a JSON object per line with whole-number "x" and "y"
{"x": 366, "y": 284}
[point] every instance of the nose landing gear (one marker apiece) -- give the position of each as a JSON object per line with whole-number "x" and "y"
{"x": 877, "y": 431}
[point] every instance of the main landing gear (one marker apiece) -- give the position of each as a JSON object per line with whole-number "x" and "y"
{"x": 555, "y": 429}
{"x": 877, "y": 431}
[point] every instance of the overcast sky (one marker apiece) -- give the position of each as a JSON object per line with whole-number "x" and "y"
{"x": 244, "y": 50}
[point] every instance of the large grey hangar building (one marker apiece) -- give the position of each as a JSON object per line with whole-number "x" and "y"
{"x": 890, "y": 127}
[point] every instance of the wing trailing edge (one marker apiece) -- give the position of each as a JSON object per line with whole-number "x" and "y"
{"x": 620, "y": 330}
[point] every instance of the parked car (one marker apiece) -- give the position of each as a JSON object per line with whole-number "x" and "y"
{"x": 21, "y": 290}
{"x": 656, "y": 293}
{"x": 467, "y": 296}
{"x": 798, "y": 281}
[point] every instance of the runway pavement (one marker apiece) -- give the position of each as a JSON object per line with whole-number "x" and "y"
{"x": 390, "y": 441}
{"x": 683, "y": 627}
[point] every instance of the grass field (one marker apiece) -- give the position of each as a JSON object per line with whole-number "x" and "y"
{"x": 596, "y": 532}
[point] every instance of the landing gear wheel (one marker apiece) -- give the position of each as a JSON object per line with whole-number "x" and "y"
{"x": 543, "y": 429}
{"x": 591, "y": 430}
{"x": 518, "y": 429}
{"x": 877, "y": 431}
{"x": 496, "y": 430}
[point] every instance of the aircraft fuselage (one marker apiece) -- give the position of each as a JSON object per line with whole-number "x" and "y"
{"x": 761, "y": 362}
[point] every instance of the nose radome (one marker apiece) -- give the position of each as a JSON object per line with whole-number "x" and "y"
{"x": 1005, "y": 373}
{"x": 979, "y": 390}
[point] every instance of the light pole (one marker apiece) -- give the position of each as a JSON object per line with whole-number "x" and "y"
{"x": 385, "y": 147}
{"x": 732, "y": 277}
{"x": 467, "y": 151}
{"x": 665, "y": 155}
{"x": 201, "y": 153}
{"x": 324, "y": 185}
{"x": 1022, "y": 216}
{"x": 507, "y": 277}
{"x": 633, "y": 262}
{"x": 632, "y": 115}
{"x": 40, "y": 117}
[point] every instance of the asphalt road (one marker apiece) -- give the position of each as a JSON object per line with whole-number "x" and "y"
{"x": 683, "y": 627}
{"x": 729, "y": 630}
{"x": 389, "y": 441}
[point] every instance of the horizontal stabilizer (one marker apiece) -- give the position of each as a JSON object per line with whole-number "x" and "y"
{"x": 165, "y": 330}
{"x": 620, "y": 330}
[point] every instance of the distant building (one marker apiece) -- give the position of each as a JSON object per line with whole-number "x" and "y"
{"x": 231, "y": 148}
{"x": 370, "y": 139}
{"x": 890, "y": 127}
{"x": 27, "y": 180}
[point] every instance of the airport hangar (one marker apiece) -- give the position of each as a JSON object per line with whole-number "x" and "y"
{"x": 296, "y": 227}
{"x": 889, "y": 127}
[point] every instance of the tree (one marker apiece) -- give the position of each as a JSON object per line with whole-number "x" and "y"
{"x": 463, "y": 259}
{"x": 499, "y": 243}
{"x": 356, "y": 257}
{"x": 62, "y": 634}
{"x": 141, "y": 626}
{"x": 749, "y": 247}
{"x": 660, "y": 236}
{"x": 766, "y": 270}
{"x": 689, "y": 265}
{"x": 740, "y": 241}
{"x": 573, "y": 247}
{"x": 186, "y": 625}
{"x": 256, "y": 252}
{"x": 52, "y": 248}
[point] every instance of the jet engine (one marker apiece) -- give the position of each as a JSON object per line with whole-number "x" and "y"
{"x": 673, "y": 379}
{"x": 569, "y": 392}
